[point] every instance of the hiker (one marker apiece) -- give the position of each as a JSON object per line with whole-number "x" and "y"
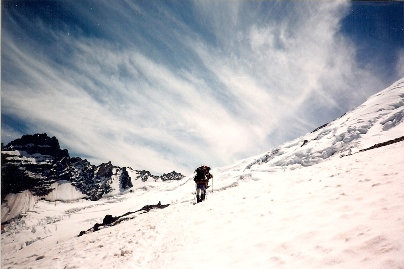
{"x": 202, "y": 179}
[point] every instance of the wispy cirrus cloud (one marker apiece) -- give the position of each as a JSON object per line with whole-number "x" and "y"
{"x": 175, "y": 85}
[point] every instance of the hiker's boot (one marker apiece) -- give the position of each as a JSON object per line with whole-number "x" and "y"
{"x": 203, "y": 197}
{"x": 198, "y": 199}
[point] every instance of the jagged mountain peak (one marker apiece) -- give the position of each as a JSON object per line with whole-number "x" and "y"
{"x": 37, "y": 144}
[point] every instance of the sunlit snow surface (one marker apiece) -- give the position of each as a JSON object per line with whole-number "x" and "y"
{"x": 318, "y": 205}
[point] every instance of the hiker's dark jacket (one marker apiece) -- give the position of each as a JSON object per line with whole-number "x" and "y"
{"x": 202, "y": 175}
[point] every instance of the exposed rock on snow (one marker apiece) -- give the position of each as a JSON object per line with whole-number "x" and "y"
{"x": 109, "y": 220}
{"x": 146, "y": 175}
{"x": 172, "y": 176}
{"x": 396, "y": 140}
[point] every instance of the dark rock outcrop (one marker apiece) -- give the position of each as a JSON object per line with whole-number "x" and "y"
{"x": 109, "y": 220}
{"x": 33, "y": 162}
{"x": 125, "y": 179}
{"x": 146, "y": 176}
{"x": 383, "y": 144}
{"x": 172, "y": 176}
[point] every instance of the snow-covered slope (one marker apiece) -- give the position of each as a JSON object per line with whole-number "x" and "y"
{"x": 318, "y": 205}
{"x": 373, "y": 122}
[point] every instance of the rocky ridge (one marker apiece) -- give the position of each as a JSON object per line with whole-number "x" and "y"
{"x": 36, "y": 162}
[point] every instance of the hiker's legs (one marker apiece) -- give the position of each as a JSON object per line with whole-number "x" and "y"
{"x": 203, "y": 192}
{"x": 198, "y": 192}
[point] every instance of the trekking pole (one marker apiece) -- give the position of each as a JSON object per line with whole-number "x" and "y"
{"x": 212, "y": 184}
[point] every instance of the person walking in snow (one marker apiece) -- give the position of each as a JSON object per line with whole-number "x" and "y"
{"x": 202, "y": 180}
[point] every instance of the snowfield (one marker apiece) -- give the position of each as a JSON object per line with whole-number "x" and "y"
{"x": 346, "y": 213}
{"x": 315, "y": 202}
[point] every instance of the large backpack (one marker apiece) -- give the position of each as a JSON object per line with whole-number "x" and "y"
{"x": 202, "y": 173}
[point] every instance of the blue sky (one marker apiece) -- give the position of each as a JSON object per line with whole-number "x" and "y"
{"x": 164, "y": 85}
